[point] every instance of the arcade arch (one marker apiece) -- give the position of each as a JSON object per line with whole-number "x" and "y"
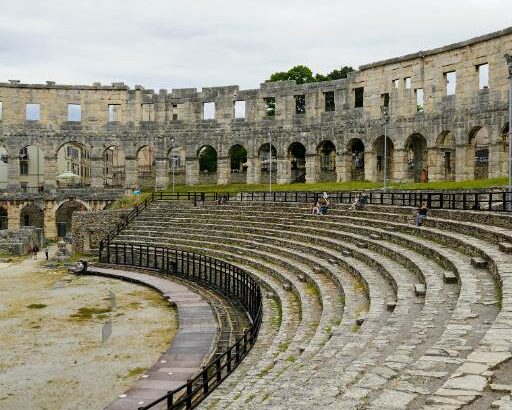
{"x": 73, "y": 165}
{"x": 326, "y": 154}
{"x": 356, "y": 151}
{"x": 146, "y": 166}
{"x": 378, "y": 148}
{"x": 238, "y": 163}
{"x": 31, "y": 168}
{"x": 417, "y": 164}
{"x": 207, "y": 156}
{"x": 114, "y": 167}
{"x": 297, "y": 161}
{"x": 268, "y": 161}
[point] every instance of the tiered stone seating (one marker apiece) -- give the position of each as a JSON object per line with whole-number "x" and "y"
{"x": 367, "y": 309}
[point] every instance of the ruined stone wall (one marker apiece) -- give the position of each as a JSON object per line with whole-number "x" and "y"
{"x": 448, "y": 128}
{"x": 91, "y": 226}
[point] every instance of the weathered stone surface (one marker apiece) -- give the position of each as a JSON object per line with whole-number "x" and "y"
{"x": 470, "y": 382}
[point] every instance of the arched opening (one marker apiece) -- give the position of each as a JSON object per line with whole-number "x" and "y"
{"x": 268, "y": 161}
{"x": 238, "y": 164}
{"x": 3, "y": 218}
{"x": 146, "y": 167}
{"x": 479, "y": 140}
{"x": 356, "y": 149}
{"x": 73, "y": 165}
{"x": 64, "y": 217}
{"x": 207, "y": 156}
{"x": 297, "y": 158}
{"x": 417, "y": 164}
{"x": 177, "y": 165}
{"x": 445, "y": 160}
{"x": 114, "y": 167}
{"x": 31, "y": 162}
{"x": 4, "y": 160}
{"x": 31, "y": 215}
{"x": 326, "y": 152}
{"x": 379, "y": 153}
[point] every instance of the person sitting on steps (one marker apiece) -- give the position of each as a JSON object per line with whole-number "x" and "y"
{"x": 323, "y": 205}
{"x": 421, "y": 214}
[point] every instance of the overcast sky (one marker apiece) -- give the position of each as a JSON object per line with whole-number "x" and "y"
{"x": 202, "y": 43}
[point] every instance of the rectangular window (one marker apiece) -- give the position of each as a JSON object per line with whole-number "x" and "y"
{"x": 450, "y": 79}
{"x": 208, "y": 111}
{"x": 396, "y": 84}
{"x": 1, "y": 111}
{"x": 175, "y": 117}
{"x": 358, "y": 97}
{"x": 33, "y": 112}
{"x": 300, "y": 104}
{"x": 483, "y": 76}
{"x": 113, "y": 112}
{"x": 330, "y": 103}
{"x": 148, "y": 112}
{"x": 384, "y": 100}
{"x": 407, "y": 81}
{"x": 419, "y": 99}
{"x": 239, "y": 108}
{"x": 270, "y": 106}
{"x": 74, "y": 112}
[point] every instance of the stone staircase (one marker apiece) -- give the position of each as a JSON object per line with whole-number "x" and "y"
{"x": 363, "y": 309}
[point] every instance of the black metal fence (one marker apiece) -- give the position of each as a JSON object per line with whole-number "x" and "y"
{"x": 495, "y": 200}
{"x": 228, "y": 280}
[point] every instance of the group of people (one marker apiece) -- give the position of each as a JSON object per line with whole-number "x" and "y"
{"x": 321, "y": 206}
{"x": 34, "y": 251}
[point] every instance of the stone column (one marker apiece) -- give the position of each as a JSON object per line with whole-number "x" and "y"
{"x": 398, "y": 165}
{"x": 192, "y": 170}
{"x": 13, "y": 216}
{"x": 464, "y": 162}
{"x": 96, "y": 172}
{"x": 13, "y": 174}
{"x": 312, "y": 168}
{"x": 223, "y": 170}
{"x": 496, "y": 159}
{"x": 131, "y": 178}
{"x": 50, "y": 223}
{"x": 50, "y": 173}
{"x": 435, "y": 164}
{"x": 370, "y": 166}
{"x": 284, "y": 171}
{"x": 253, "y": 170}
{"x": 161, "y": 173}
{"x": 343, "y": 165}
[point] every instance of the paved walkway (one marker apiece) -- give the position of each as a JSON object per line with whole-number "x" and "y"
{"x": 195, "y": 339}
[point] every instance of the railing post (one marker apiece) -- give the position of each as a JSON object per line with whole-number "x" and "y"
{"x": 189, "y": 394}
{"x": 205, "y": 381}
{"x": 218, "y": 370}
{"x": 170, "y": 399}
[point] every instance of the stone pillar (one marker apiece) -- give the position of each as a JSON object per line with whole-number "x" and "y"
{"x": 284, "y": 171}
{"x": 312, "y": 168}
{"x": 50, "y": 222}
{"x": 50, "y": 172}
{"x": 464, "y": 162}
{"x": 13, "y": 216}
{"x": 435, "y": 164}
{"x": 161, "y": 173}
{"x": 223, "y": 170}
{"x": 253, "y": 170}
{"x": 96, "y": 172}
{"x": 131, "y": 178}
{"x": 370, "y": 166}
{"x": 496, "y": 159}
{"x": 192, "y": 170}
{"x": 13, "y": 174}
{"x": 343, "y": 165}
{"x": 399, "y": 166}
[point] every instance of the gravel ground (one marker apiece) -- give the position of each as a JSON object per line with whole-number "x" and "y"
{"x": 51, "y": 350}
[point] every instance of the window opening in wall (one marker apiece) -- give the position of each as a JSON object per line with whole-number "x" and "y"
{"x": 330, "y": 103}
{"x": 300, "y": 104}
{"x": 1, "y": 110}
{"x": 407, "y": 81}
{"x": 74, "y": 112}
{"x": 175, "y": 106}
{"x": 483, "y": 76}
{"x": 384, "y": 99}
{"x": 359, "y": 97}
{"x": 419, "y": 100}
{"x": 450, "y": 79}
{"x": 113, "y": 112}
{"x": 270, "y": 106}
{"x": 148, "y": 112}
{"x": 239, "y": 109}
{"x": 33, "y": 112}
{"x": 396, "y": 83}
{"x": 175, "y": 117}
{"x": 208, "y": 111}
{"x": 24, "y": 161}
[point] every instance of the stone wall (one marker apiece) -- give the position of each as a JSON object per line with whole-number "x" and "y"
{"x": 91, "y": 226}
{"x": 442, "y": 137}
{"x": 17, "y": 243}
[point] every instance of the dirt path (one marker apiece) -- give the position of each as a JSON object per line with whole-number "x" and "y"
{"x": 51, "y": 350}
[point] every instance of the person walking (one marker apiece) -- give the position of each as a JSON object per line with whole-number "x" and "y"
{"x": 35, "y": 250}
{"x": 46, "y": 251}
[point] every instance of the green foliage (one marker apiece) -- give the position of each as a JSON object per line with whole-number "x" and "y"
{"x": 238, "y": 157}
{"x": 207, "y": 159}
{"x": 302, "y": 74}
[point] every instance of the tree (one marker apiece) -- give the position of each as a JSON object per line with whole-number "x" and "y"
{"x": 302, "y": 74}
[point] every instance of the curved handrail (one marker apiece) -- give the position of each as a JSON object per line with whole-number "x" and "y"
{"x": 230, "y": 281}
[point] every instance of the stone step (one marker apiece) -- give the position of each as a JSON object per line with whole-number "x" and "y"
{"x": 478, "y": 263}
{"x": 420, "y": 289}
{"x": 505, "y": 247}
{"x": 449, "y": 277}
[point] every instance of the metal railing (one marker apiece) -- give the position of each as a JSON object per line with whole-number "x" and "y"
{"x": 228, "y": 280}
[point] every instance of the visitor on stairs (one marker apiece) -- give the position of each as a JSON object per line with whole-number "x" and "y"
{"x": 316, "y": 208}
{"x": 35, "y": 250}
{"x": 323, "y": 205}
{"x": 421, "y": 214}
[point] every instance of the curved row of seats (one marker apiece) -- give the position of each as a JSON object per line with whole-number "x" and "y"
{"x": 363, "y": 308}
